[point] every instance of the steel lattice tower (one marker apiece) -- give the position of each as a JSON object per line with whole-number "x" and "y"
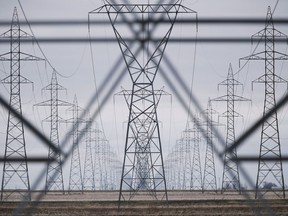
{"x": 98, "y": 159}
{"x": 89, "y": 172}
{"x": 143, "y": 144}
{"x": 75, "y": 177}
{"x": 142, "y": 166}
{"x": 187, "y": 147}
{"x": 168, "y": 170}
{"x": 230, "y": 179}
{"x": 105, "y": 163}
{"x": 54, "y": 175}
{"x": 209, "y": 178}
{"x": 15, "y": 172}
{"x": 270, "y": 141}
{"x": 196, "y": 175}
{"x": 180, "y": 152}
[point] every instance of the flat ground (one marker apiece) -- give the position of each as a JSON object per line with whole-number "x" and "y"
{"x": 180, "y": 203}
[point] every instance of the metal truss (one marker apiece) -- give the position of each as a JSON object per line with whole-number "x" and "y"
{"x": 172, "y": 77}
{"x": 140, "y": 179}
{"x": 269, "y": 171}
{"x": 187, "y": 139}
{"x": 209, "y": 177}
{"x": 54, "y": 181}
{"x": 168, "y": 171}
{"x": 106, "y": 180}
{"x": 89, "y": 171}
{"x": 179, "y": 168}
{"x": 143, "y": 8}
{"x": 75, "y": 176}
{"x": 230, "y": 179}
{"x": 183, "y": 165}
{"x": 196, "y": 169}
{"x": 143, "y": 159}
{"x": 98, "y": 159}
{"x": 15, "y": 145}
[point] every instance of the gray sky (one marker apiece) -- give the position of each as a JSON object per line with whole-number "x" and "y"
{"x": 211, "y": 67}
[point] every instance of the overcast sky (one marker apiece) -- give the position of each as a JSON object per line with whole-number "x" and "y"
{"x": 74, "y": 65}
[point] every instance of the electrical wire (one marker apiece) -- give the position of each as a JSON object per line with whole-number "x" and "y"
{"x": 42, "y": 52}
{"x": 241, "y": 68}
{"x": 94, "y": 76}
{"x": 193, "y": 75}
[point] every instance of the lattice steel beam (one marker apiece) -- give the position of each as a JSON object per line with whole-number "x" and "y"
{"x": 230, "y": 179}
{"x": 54, "y": 181}
{"x": 15, "y": 145}
{"x": 143, "y": 145}
{"x": 270, "y": 142}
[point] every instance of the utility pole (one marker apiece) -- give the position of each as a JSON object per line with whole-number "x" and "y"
{"x": 15, "y": 167}
{"x": 269, "y": 170}
{"x": 54, "y": 174}
{"x": 143, "y": 158}
{"x": 230, "y": 179}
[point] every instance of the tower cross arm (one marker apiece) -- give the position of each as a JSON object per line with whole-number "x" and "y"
{"x": 24, "y": 34}
{"x": 228, "y": 114}
{"x": 5, "y": 57}
{"x": 227, "y": 97}
{"x": 261, "y": 56}
{"x": 280, "y": 56}
{"x": 58, "y": 87}
{"x": 50, "y": 103}
{"x": 23, "y": 57}
{"x": 23, "y": 80}
{"x": 277, "y": 79}
{"x": 28, "y": 57}
{"x": 63, "y": 103}
{"x": 261, "y": 35}
{"x": 279, "y": 34}
{"x": 256, "y": 56}
{"x": 6, "y": 34}
{"x": 142, "y": 8}
{"x": 228, "y": 82}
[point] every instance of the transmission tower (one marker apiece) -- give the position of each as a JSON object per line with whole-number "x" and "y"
{"x": 187, "y": 171}
{"x": 89, "y": 174}
{"x": 272, "y": 170}
{"x": 54, "y": 175}
{"x": 105, "y": 164}
{"x": 168, "y": 170}
{"x": 116, "y": 171}
{"x": 196, "y": 175}
{"x": 75, "y": 177}
{"x": 15, "y": 173}
{"x": 209, "y": 178}
{"x": 230, "y": 179}
{"x": 140, "y": 178}
{"x": 180, "y": 152}
{"x": 98, "y": 159}
{"x": 143, "y": 149}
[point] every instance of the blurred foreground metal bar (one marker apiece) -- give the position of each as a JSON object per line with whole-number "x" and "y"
{"x": 256, "y": 158}
{"x": 68, "y": 40}
{"x": 201, "y": 21}
{"x": 29, "y": 159}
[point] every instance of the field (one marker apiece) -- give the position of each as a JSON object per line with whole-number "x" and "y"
{"x": 180, "y": 203}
